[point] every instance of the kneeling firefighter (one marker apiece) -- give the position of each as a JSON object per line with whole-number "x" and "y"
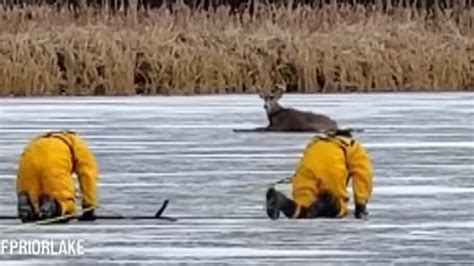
{"x": 45, "y": 185}
{"x": 320, "y": 181}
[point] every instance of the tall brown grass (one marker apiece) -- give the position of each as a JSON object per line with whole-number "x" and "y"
{"x": 333, "y": 49}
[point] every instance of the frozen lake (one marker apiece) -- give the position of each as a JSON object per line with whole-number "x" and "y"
{"x": 183, "y": 149}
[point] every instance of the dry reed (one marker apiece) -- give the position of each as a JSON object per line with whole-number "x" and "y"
{"x": 333, "y": 49}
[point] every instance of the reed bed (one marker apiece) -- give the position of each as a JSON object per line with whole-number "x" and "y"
{"x": 330, "y": 49}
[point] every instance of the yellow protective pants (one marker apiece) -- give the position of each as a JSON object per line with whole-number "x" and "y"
{"x": 45, "y": 168}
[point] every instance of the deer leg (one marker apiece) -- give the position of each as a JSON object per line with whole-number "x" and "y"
{"x": 258, "y": 129}
{"x": 262, "y": 129}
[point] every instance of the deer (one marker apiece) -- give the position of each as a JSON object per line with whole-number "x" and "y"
{"x": 291, "y": 120}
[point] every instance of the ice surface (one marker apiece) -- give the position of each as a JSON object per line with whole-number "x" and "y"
{"x": 183, "y": 149}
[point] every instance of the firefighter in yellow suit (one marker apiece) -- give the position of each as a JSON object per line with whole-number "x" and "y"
{"x": 45, "y": 185}
{"x": 319, "y": 183}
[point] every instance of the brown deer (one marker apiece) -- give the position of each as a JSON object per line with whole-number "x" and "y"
{"x": 289, "y": 119}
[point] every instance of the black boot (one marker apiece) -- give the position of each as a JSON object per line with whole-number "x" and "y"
{"x": 326, "y": 205}
{"x": 276, "y": 202}
{"x": 26, "y": 211}
{"x": 273, "y": 210}
{"x": 50, "y": 208}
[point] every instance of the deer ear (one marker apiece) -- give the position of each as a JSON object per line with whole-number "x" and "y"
{"x": 280, "y": 87}
{"x": 279, "y": 90}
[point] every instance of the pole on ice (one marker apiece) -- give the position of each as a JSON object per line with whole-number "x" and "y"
{"x": 158, "y": 216}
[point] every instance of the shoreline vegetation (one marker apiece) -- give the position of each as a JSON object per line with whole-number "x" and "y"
{"x": 333, "y": 49}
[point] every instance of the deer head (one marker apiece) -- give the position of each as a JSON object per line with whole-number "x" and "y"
{"x": 271, "y": 98}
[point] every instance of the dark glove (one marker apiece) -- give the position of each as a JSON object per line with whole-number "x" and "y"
{"x": 361, "y": 212}
{"x": 88, "y": 215}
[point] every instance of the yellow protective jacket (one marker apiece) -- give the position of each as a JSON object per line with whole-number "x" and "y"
{"x": 328, "y": 163}
{"x": 46, "y": 167}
